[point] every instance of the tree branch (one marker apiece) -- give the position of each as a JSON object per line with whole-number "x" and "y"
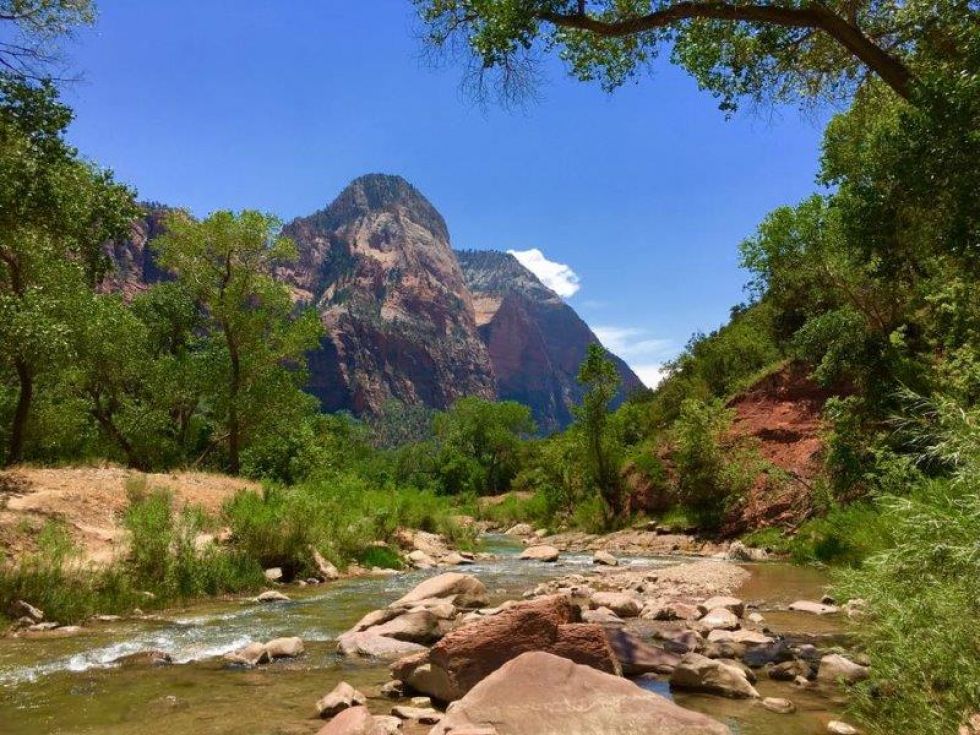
{"x": 889, "y": 68}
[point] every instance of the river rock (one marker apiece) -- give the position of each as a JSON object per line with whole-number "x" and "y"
{"x": 421, "y": 676}
{"x": 521, "y": 529}
{"x": 541, "y": 553}
{"x": 325, "y": 570}
{"x": 718, "y": 619}
{"x": 21, "y": 609}
{"x": 251, "y": 655}
{"x": 601, "y": 616}
{"x": 732, "y": 604}
{"x": 743, "y": 637}
{"x": 273, "y": 574}
{"x": 681, "y": 641}
{"x": 465, "y": 590}
{"x": 767, "y": 653}
{"x": 838, "y": 669}
{"x": 421, "y": 560}
{"x": 638, "y": 657}
{"x": 700, "y": 673}
{"x": 341, "y": 697}
{"x": 422, "y": 715}
{"x": 285, "y": 647}
{"x": 605, "y": 558}
{"x": 144, "y": 659}
{"x": 375, "y": 646}
{"x": 416, "y": 626}
{"x": 538, "y": 693}
{"x": 779, "y": 705}
{"x": 354, "y": 721}
{"x": 623, "y": 604}
{"x": 814, "y": 608}
{"x": 737, "y": 551}
{"x": 455, "y": 559}
{"x": 669, "y": 611}
{"x": 272, "y": 596}
{"x": 836, "y": 727}
{"x": 790, "y": 670}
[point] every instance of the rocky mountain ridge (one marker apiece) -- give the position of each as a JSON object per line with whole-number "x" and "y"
{"x": 407, "y": 317}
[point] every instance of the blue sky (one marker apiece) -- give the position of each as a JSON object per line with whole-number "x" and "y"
{"x": 277, "y": 104}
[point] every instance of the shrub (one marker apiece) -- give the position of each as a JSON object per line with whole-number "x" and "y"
{"x": 923, "y": 592}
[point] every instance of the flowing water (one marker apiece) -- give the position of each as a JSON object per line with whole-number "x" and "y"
{"x": 70, "y": 686}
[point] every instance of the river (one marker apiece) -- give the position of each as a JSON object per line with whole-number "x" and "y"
{"x": 69, "y": 685}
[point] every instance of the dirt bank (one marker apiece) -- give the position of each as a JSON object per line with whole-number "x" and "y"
{"x": 90, "y": 502}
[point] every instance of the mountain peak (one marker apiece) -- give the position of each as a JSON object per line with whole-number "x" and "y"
{"x": 376, "y": 192}
{"x": 500, "y": 273}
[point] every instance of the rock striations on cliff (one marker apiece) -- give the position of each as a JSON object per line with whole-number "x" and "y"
{"x": 536, "y": 341}
{"x": 378, "y": 267}
{"x": 407, "y": 318}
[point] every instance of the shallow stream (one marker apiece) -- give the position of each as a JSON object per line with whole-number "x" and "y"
{"x": 68, "y": 685}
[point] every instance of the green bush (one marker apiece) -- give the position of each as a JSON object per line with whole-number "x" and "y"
{"x": 342, "y": 517}
{"x": 922, "y": 589}
{"x": 710, "y": 476}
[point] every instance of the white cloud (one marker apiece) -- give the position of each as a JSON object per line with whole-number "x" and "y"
{"x": 559, "y": 277}
{"x": 644, "y": 353}
{"x": 631, "y": 342}
{"x": 650, "y": 375}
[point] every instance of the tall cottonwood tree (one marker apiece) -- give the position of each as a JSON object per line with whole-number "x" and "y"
{"x": 776, "y": 50}
{"x": 56, "y": 210}
{"x": 255, "y": 344}
{"x": 598, "y": 374}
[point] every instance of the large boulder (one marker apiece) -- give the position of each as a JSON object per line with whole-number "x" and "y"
{"x": 538, "y": 693}
{"x": 468, "y": 654}
{"x": 702, "y": 674}
{"x": 465, "y": 590}
{"x": 587, "y": 644}
{"x": 540, "y": 553}
{"x": 521, "y": 529}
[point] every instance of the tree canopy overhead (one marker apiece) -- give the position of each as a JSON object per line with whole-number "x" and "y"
{"x": 30, "y": 29}
{"x": 772, "y": 50}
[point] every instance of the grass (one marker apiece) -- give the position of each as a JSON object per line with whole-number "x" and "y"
{"x": 169, "y": 560}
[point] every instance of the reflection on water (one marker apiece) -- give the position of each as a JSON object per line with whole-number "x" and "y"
{"x": 70, "y": 686}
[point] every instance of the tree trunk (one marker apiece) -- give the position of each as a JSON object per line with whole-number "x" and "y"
{"x": 234, "y": 428}
{"x": 24, "y": 398}
{"x": 104, "y": 417}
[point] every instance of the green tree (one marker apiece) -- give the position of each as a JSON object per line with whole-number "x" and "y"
{"x": 598, "y": 374}
{"x": 55, "y": 212}
{"x": 767, "y": 49}
{"x": 255, "y": 352}
{"x": 28, "y": 47}
{"x": 481, "y": 442}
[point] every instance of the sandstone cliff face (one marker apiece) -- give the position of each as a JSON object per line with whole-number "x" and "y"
{"x": 378, "y": 267}
{"x": 536, "y": 341}
{"x": 134, "y": 267}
